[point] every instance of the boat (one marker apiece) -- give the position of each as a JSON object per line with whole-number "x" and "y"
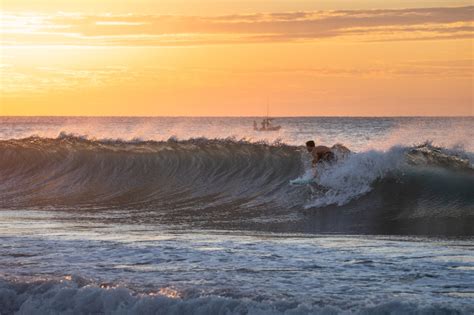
{"x": 266, "y": 124}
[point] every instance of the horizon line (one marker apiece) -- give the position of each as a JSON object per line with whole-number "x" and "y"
{"x": 232, "y": 116}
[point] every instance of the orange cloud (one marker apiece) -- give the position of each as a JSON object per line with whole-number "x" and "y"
{"x": 162, "y": 30}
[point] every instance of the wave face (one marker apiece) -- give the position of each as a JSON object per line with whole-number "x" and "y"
{"x": 71, "y": 171}
{"x": 229, "y": 183}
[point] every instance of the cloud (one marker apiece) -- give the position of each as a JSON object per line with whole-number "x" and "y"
{"x": 41, "y": 80}
{"x": 162, "y": 30}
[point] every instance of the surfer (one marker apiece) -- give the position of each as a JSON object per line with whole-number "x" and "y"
{"x": 319, "y": 153}
{"x": 323, "y": 154}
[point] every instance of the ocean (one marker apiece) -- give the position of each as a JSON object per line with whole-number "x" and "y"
{"x": 174, "y": 215}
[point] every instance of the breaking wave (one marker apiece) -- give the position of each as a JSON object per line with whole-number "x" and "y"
{"x": 75, "y": 295}
{"x": 221, "y": 180}
{"x": 75, "y": 171}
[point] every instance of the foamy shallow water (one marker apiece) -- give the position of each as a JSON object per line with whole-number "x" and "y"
{"x": 58, "y": 266}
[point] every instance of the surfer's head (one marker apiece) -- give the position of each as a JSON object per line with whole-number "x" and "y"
{"x": 310, "y": 145}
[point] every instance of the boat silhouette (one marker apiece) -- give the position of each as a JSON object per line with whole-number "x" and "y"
{"x": 266, "y": 124}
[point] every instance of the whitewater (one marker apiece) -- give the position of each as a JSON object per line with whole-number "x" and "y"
{"x": 176, "y": 215}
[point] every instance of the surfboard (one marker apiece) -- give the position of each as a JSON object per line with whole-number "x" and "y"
{"x": 302, "y": 181}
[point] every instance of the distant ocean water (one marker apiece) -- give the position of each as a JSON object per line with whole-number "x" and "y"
{"x": 197, "y": 215}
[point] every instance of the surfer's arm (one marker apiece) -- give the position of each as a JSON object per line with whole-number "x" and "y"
{"x": 315, "y": 160}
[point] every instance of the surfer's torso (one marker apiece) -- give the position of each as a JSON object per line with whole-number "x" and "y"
{"x": 322, "y": 153}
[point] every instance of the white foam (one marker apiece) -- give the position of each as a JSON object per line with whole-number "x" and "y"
{"x": 73, "y": 297}
{"x": 354, "y": 176}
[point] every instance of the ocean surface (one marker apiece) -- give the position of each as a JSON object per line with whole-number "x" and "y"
{"x": 177, "y": 215}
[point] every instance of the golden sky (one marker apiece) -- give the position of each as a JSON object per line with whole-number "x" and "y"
{"x": 226, "y": 57}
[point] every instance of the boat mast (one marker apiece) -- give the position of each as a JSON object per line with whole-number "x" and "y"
{"x": 268, "y": 109}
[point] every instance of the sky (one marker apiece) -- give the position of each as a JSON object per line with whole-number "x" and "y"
{"x": 231, "y": 58}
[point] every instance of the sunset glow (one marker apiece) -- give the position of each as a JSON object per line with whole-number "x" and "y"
{"x": 192, "y": 58}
